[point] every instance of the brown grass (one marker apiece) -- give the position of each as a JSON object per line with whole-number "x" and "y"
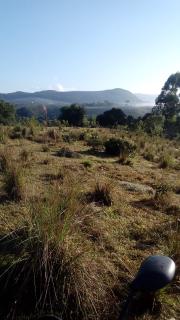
{"x": 60, "y": 253}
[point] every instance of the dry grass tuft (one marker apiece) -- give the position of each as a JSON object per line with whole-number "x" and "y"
{"x": 58, "y": 265}
{"x": 13, "y": 183}
{"x": 102, "y": 194}
{"x": 163, "y": 196}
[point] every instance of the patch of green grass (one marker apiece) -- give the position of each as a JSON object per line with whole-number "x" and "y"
{"x": 87, "y": 163}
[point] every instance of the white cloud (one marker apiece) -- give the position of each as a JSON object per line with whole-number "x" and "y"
{"x": 60, "y": 87}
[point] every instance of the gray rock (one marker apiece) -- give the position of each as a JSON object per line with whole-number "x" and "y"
{"x": 137, "y": 187}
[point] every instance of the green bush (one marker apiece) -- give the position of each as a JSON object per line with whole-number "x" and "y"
{"x": 119, "y": 147}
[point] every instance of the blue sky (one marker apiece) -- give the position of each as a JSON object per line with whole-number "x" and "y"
{"x": 88, "y": 44}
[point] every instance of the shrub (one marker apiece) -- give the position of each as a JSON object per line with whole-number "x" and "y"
{"x": 163, "y": 195}
{"x": 166, "y": 161}
{"x": 73, "y": 136}
{"x": 118, "y": 147}
{"x": 95, "y": 142}
{"x": 102, "y": 194}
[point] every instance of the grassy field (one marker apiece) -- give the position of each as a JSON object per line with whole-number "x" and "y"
{"x": 75, "y": 223}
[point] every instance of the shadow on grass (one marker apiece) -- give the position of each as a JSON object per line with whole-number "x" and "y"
{"x": 4, "y": 198}
{"x": 96, "y": 153}
{"x": 144, "y": 203}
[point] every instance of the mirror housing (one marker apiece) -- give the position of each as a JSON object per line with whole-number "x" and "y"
{"x": 155, "y": 273}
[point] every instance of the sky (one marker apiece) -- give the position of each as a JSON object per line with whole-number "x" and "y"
{"x": 88, "y": 44}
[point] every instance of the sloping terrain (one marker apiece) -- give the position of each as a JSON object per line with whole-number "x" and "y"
{"x": 77, "y": 224}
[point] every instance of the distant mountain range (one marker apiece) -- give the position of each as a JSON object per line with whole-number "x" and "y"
{"x": 95, "y": 102}
{"x": 119, "y": 96}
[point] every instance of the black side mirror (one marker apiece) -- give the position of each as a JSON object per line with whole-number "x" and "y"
{"x": 155, "y": 273}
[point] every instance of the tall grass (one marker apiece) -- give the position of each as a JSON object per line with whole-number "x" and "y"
{"x": 13, "y": 176}
{"x": 58, "y": 269}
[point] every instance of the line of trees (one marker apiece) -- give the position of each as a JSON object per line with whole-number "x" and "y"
{"x": 164, "y": 118}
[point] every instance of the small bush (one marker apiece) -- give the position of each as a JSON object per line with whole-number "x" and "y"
{"x": 102, "y": 194}
{"x": 95, "y": 142}
{"x": 122, "y": 148}
{"x": 163, "y": 196}
{"x": 166, "y": 161}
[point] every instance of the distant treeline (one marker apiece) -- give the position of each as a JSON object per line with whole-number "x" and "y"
{"x": 164, "y": 118}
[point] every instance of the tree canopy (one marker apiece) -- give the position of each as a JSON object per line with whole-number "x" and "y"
{"x": 168, "y": 102}
{"x": 24, "y": 112}
{"x": 74, "y": 114}
{"x": 111, "y": 118}
{"x": 7, "y": 113}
